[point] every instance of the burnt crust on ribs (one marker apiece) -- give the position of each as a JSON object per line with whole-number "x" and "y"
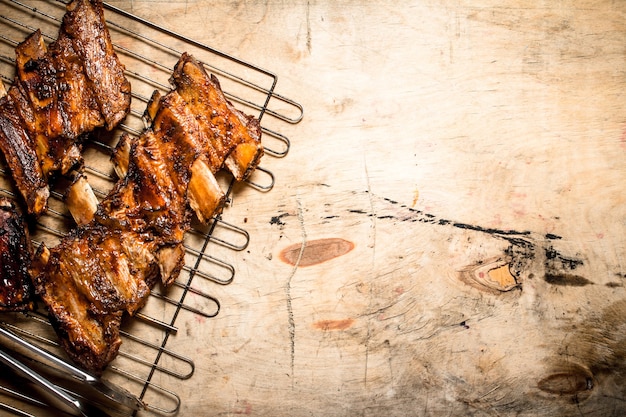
{"x": 84, "y": 24}
{"x": 61, "y": 92}
{"x": 16, "y": 292}
{"x": 20, "y": 157}
{"x": 87, "y": 283}
{"x": 234, "y": 137}
{"x": 134, "y": 240}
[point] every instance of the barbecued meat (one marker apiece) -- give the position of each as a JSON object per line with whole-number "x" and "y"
{"x": 21, "y": 157}
{"x": 60, "y": 92}
{"x": 106, "y": 267}
{"x": 47, "y": 111}
{"x": 89, "y": 280}
{"x": 84, "y": 24}
{"x": 233, "y": 137}
{"x": 16, "y": 288}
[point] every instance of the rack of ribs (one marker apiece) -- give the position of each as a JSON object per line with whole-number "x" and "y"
{"x": 60, "y": 92}
{"x": 133, "y": 238}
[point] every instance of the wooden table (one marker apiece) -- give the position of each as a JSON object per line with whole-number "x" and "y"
{"x": 447, "y": 233}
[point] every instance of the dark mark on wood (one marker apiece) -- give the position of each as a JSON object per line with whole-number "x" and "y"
{"x": 524, "y": 244}
{"x": 551, "y": 236}
{"x": 385, "y": 217}
{"x": 566, "y": 280}
{"x": 278, "y": 220}
{"x": 553, "y": 256}
{"x": 520, "y": 256}
{"x": 566, "y": 383}
{"x": 520, "y": 242}
{"x": 490, "y": 231}
{"x": 422, "y": 217}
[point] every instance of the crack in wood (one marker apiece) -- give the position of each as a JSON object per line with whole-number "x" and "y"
{"x": 524, "y": 244}
{"x": 290, "y": 319}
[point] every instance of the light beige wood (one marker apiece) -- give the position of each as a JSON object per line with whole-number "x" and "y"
{"x": 501, "y": 115}
{"x": 447, "y": 233}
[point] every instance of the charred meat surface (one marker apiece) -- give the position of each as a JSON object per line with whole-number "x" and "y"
{"x": 16, "y": 289}
{"x": 133, "y": 240}
{"x": 88, "y": 281}
{"x": 21, "y": 158}
{"x": 84, "y": 24}
{"x": 234, "y": 138}
{"x": 60, "y": 92}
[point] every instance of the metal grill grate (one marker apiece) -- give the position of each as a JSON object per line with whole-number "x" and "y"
{"x": 149, "y": 53}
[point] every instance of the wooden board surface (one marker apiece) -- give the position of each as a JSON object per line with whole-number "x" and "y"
{"x": 447, "y": 233}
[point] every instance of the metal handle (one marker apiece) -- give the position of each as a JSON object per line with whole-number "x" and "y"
{"x": 109, "y": 391}
{"x": 46, "y": 355}
{"x": 55, "y": 396}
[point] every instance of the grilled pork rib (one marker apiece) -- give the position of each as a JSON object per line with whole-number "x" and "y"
{"x": 107, "y": 266}
{"x": 60, "y": 92}
{"x": 235, "y": 138}
{"x": 16, "y": 291}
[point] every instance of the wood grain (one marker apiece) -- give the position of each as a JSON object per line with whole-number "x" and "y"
{"x": 473, "y": 153}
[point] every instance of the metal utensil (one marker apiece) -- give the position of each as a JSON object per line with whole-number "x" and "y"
{"x": 54, "y": 396}
{"x": 94, "y": 388}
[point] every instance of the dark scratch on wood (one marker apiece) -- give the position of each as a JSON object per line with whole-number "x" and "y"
{"x": 555, "y": 257}
{"x": 524, "y": 243}
{"x": 566, "y": 280}
{"x": 516, "y": 237}
{"x": 278, "y": 220}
